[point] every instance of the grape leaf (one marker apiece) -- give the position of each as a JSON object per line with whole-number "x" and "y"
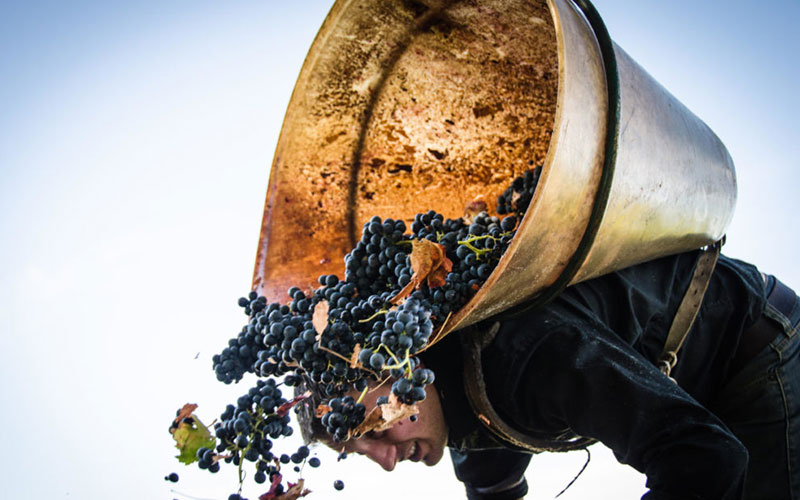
{"x": 285, "y": 407}
{"x": 473, "y": 208}
{"x": 404, "y": 292}
{"x": 428, "y": 263}
{"x": 185, "y": 412}
{"x": 384, "y": 416}
{"x": 394, "y": 411}
{"x": 442, "y": 266}
{"x": 320, "y": 317}
{"x": 294, "y": 491}
{"x": 270, "y": 494}
{"x": 190, "y": 437}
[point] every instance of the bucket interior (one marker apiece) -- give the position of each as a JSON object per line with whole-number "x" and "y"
{"x": 402, "y": 107}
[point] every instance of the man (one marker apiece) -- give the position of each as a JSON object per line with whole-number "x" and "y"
{"x": 585, "y": 365}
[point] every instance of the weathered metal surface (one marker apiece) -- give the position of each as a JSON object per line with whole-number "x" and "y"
{"x": 404, "y": 106}
{"x": 401, "y": 107}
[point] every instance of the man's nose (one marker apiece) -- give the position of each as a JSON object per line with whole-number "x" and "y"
{"x": 383, "y": 454}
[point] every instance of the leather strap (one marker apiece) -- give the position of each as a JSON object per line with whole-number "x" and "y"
{"x": 690, "y": 305}
{"x": 474, "y": 340}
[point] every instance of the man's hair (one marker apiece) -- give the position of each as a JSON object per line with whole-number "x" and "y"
{"x": 311, "y": 428}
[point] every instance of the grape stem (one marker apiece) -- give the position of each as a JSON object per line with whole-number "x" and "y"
{"x": 378, "y": 313}
{"x": 405, "y": 363}
{"x": 362, "y": 367}
{"x": 330, "y": 351}
{"x": 480, "y": 251}
{"x": 391, "y": 354}
{"x": 363, "y": 393}
{"x": 386, "y": 379}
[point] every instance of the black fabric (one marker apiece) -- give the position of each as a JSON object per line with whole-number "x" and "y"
{"x": 496, "y": 474}
{"x": 585, "y": 362}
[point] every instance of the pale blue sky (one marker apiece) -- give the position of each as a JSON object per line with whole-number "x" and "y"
{"x": 135, "y": 141}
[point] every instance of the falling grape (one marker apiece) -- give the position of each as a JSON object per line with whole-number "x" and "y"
{"x": 352, "y": 330}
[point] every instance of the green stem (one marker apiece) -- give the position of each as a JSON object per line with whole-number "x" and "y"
{"x": 479, "y": 252}
{"x": 378, "y": 313}
{"x": 388, "y": 351}
{"x": 363, "y": 393}
{"x": 406, "y": 363}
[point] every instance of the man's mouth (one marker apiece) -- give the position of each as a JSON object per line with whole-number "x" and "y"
{"x": 414, "y": 453}
{"x": 411, "y": 450}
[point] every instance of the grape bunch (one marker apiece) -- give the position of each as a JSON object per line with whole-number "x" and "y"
{"x": 344, "y": 416}
{"x": 245, "y": 431}
{"x": 516, "y": 198}
{"x": 369, "y": 334}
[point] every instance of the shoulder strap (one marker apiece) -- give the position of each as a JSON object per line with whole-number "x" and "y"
{"x": 690, "y": 305}
{"x": 475, "y": 339}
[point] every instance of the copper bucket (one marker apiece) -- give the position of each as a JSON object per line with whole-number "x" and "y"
{"x": 403, "y": 106}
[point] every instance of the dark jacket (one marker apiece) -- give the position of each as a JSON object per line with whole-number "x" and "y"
{"x": 586, "y": 363}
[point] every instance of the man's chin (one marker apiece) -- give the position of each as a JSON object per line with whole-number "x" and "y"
{"x": 433, "y": 458}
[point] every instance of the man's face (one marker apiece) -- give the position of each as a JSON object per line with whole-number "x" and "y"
{"x": 420, "y": 441}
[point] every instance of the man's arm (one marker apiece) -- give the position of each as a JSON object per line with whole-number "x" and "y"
{"x": 495, "y": 474}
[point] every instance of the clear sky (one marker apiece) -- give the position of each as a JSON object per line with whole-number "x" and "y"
{"x": 135, "y": 143}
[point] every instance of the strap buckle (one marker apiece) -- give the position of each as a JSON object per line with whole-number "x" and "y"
{"x": 667, "y": 363}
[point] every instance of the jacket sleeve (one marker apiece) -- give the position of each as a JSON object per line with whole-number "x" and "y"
{"x": 492, "y": 474}
{"x": 590, "y": 381}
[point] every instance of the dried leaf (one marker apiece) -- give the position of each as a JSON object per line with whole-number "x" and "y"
{"x": 294, "y": 492}
{"x": 184, "y": 412}
{"x": 384, "y": 416}
{"x": 394, "y": 410}
{"x": 438, "y": 274}
{"x": 428, "y": 264}
{"x": 322, "y": 410}
{"x": 276, "y": 481}
{"x": 473, "y": 208}
{"x": 372, "y": 421}
{"x": 514, "y": 197}
{"x": 285, "y": 407}
{"x": 354, "y": 363}
{"x": 405, "y": 291}
{"x": 320, "y": 317}
{"x": 423, "y": 253}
